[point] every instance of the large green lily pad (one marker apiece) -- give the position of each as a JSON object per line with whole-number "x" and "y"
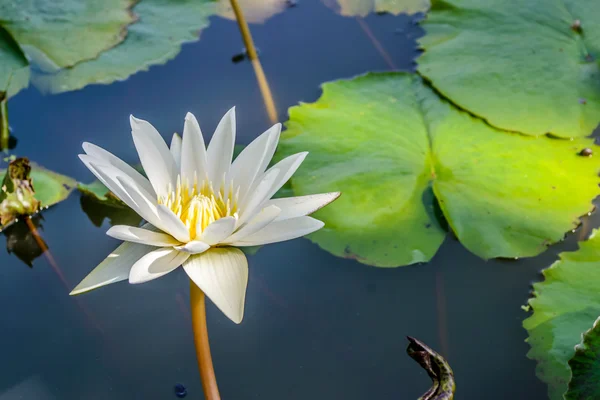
{"x": 565, "y": 305}
{"x": 395, "y": 150}
{"x": 585, "y": 367}
{"x": 150, "y": 41}
{"x": 361, "y": 8}
{"x": 527, "y": 66}
{"x": 60, "y": 33}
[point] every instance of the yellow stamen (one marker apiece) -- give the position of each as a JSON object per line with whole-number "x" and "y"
{"x": 197, "y": 205}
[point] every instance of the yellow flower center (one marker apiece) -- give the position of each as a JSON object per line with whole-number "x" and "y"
{"x": 198, "y": 205}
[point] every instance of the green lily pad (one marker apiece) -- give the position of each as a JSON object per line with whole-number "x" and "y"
{"x": 526, "y": 66}
{"x": 50, "y": 187}
{"x": 585, "y": 367}
{"x": 12, "y": 60}
{"x": 59, "y": 34}
{"x": 361, "y": 8}
{"x": 396, "y": 150}
{"x": 29, "y": 189}
{"x": 100, "y": 193}
{"x": 565, "y": 305}
{"x": 150, "y": 41}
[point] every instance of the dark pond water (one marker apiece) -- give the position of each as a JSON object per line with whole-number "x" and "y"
{"x": 316, "y": 326}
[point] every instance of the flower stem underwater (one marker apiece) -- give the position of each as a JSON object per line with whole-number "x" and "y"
{"x": 261, "y": 78}
{"x": 4, "y": 131}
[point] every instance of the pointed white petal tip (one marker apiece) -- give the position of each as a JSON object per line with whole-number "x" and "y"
{"x": 133, "y": 120}
{"x": 189, "y": 116}
{"x": 114, "y": 268}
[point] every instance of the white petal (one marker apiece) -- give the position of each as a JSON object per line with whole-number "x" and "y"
{"x": 175, "y": 149}
{"x": 292, "y": 207}
{"x": 173, "y": 224}
{"x": 193, "y": 158}
{"x": 125, "y": 189}
{"x": 262, "y": 219}
{"x": 219, "y": 230}
{"x": 156, "y": 264}
{"x": 155, "y": 156}
{"x": 220, "y": 149}
{"x": 114, "y": 268}
{"x": 103, "y": 155}
{"x": 287, "y": 167}
{"x": 250, "y": 164}
{"x": 259, "y": 196}
{"x": 142, "y": 236}
{"x": 109, "y": 182}
{"x": 222, "y": 274}
{"x": 193, "y": 247}
{"x": 142, "y": 205}
{"x": 280, "y": 231}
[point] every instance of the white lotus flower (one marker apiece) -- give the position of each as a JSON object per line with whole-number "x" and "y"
{"x": 199, "y": 207}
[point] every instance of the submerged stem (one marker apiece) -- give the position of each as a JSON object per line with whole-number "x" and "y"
{"x": 244, "y": 30}
{"x": 207, "y": 372}
{"x": 263, "y": 85}
{"x": 4, "y": 132}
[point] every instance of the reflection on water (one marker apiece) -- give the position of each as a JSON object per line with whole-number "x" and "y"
{"x": 26, "y": 244}
{"x": 98, "y": 212}
{"x": 316, "y": 326}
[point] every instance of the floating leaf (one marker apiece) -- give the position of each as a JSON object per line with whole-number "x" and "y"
{"x": 361, "y": 8}
{"x": 564, "y": 305}
{"x": 526, "y": 66}
{"x": 255, "y": 11}
{"x": 59, "y": 34}
{"x": 100, "y": 193}
{"x": 12, "y": 60}
{"x": 163, "y": 26}
{"x": 28, "y": 187}
{"x": 585, "y": 367}
{"x": 395, "y": 150}
{"x": 50, "y": 187}
{"x": 437, "y": 368}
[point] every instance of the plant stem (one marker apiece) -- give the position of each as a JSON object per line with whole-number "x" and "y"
{"x": 244, "y": 30}
{"x": 263, "y": 85}
{"x": 207, "y": 372}
{"x": 4, "y": 132}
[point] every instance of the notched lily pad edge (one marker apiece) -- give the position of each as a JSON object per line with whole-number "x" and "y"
{"x": 445, "y": 224}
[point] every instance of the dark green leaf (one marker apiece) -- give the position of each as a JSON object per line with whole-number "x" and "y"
{"x": 565, "y": 305}
{"x": 585, "y": 367}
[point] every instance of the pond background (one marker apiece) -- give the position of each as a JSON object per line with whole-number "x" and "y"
{"x": 316, "y": 326}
